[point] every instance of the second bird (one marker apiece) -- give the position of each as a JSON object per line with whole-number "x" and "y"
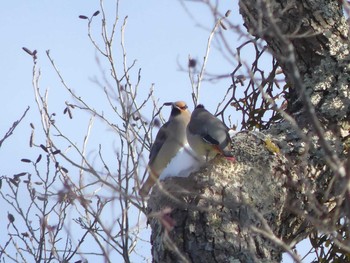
{"x": 170, "y": 138}
{"x": 207, "y": 135}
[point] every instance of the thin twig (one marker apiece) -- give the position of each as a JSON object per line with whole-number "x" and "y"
{"x": 13, "y": 127}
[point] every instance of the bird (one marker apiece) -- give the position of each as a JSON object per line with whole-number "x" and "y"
{"x": 169, "y": 140}
{"x": 207, "y": 135}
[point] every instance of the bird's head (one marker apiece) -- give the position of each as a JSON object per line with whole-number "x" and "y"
{"x": 178, "y": 107}
{"x": 200, "y": 106}
{"x": 181, "y": 105}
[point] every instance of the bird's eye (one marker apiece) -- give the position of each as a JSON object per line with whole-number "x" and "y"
{"x": 184, "y": 107}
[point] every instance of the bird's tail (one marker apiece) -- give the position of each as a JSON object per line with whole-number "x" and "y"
{"x": 146, "y": 187}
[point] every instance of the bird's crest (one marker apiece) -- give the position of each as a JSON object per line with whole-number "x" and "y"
{"x": 181, "y": 105}
{"x": 200, "y": 106}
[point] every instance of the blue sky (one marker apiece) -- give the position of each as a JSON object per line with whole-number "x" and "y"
{"x": 159, "y": 35}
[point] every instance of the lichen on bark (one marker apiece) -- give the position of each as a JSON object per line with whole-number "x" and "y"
{"x": 216, "y": 209}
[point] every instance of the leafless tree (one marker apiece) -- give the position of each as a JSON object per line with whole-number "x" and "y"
{"x": 69, "y": 205}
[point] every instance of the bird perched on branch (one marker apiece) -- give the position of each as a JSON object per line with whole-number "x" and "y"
{"x": 207, "y": 135}
{"x": 170, "y": 138}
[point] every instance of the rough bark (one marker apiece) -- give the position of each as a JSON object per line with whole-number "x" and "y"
{"x": 217, "y": 208}
{"x": 240, "y": 212}
{"x": 317, "y": 33}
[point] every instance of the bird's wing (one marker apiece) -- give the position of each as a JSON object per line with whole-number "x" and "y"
{"x": 219, "y": 146}
{"x": 218, "y": 136}
{"x": 199, "y": 128}
{"x": 210, "y": 140}
{"x": 161, "y": 137}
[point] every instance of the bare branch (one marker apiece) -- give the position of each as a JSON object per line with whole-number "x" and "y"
{"x": 13, "y": 127}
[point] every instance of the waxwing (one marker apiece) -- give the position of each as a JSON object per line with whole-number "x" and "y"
{"x": 207, "y": 135}
{"x": 170, "y": 138}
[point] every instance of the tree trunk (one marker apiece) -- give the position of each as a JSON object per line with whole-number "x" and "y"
{"x": 284, "y": 180}
{"x": 218, "y": 210}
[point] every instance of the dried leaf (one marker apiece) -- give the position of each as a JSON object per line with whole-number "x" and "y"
{"x": 14, "y": 182}
{"x": 136, "y": 117}
{"x": 166, "y": 220}
{"x": 192, "y": 63}
{"x": 31, "y": 139}
{"x": 240, "y": 78}
{"x": 70, "y": 114}
{"x": 96, "y": 13}
{"x": 271, "y": 146}
{"x": 83, "y": 17}
{"x": 19, "y": 175}
{"x": 42, "y": 198}
{"x": 228, "y": 12}
{"x": 156, "y": 122}
{"x": 32, "y": 125}
{"x": 28, "y": 51}
{"x": 15, "y": 179}
{"x": 64, "y": 170}
{"x": 26, "y": 160}
{"x": 223, "y": 26}
{"x": 38, "y": 159}
{"x": 44, "y": 148}
{"x": 10, "y": 217}
{"x": 234, "y": 104}
{"x": 56, "y": 152}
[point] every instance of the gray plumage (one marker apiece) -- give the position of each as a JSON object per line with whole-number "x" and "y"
{"x": 170, "y": 138}
{"x": 207, "y": 135}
